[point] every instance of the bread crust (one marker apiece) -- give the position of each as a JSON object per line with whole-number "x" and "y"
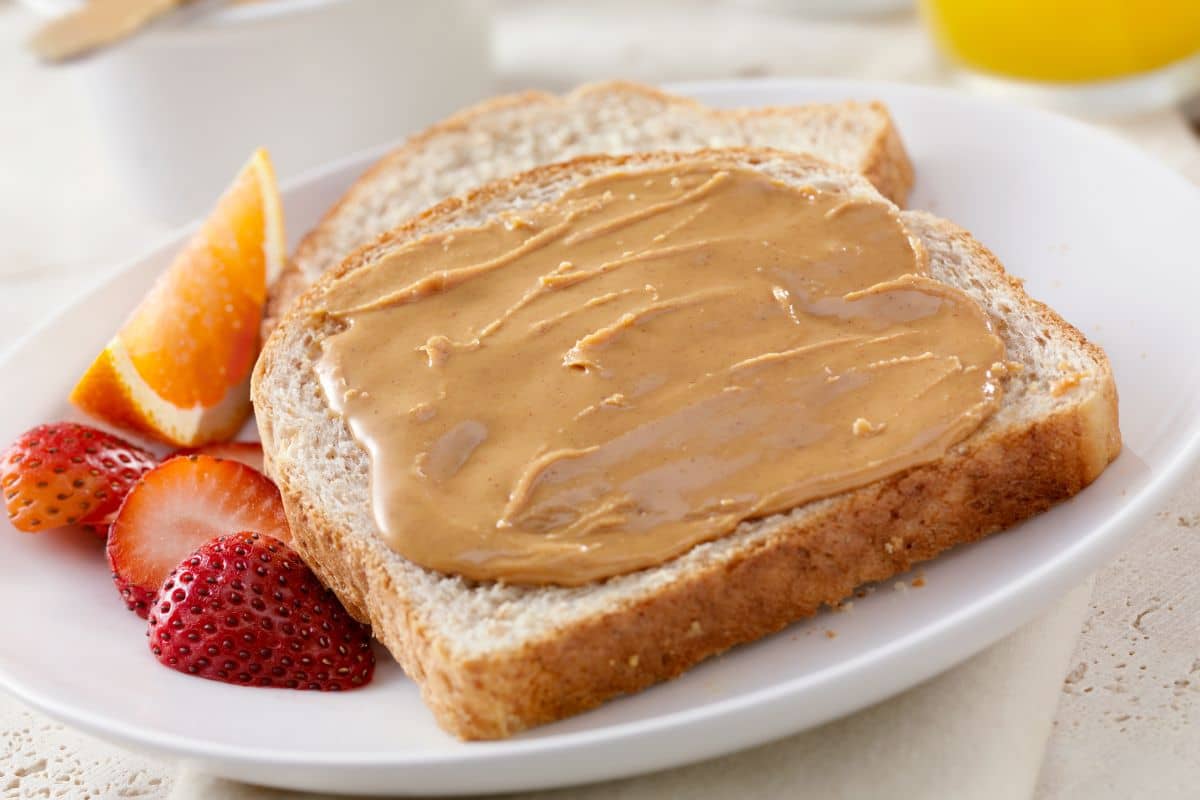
{"x": 886, "y": 165}
{"x": 991, "y": 481}
{"x": 578, "y": 168}
{"x": 868, "y": 536}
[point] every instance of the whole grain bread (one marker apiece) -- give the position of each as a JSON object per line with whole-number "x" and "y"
{"x": 507, "y": 135}
{"x": 492, "y": 659}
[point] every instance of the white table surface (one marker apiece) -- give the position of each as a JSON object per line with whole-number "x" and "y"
{"x": 1124, "y": 725}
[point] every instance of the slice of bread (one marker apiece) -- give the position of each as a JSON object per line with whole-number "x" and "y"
{"x": 508, "y": 135}
{"x": 492, "y": 659}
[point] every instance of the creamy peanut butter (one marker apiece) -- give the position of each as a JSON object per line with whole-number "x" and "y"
{"x": 596, "y": 385}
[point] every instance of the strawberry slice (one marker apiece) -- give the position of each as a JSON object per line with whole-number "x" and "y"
{"x": 64, "y": 473}
{"x": 176, "y": 507}
{"x": 245, "y": 609}
{"x": 248, "y": 453}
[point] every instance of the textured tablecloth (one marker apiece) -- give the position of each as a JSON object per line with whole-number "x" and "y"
{"x": 1123, "y": 696}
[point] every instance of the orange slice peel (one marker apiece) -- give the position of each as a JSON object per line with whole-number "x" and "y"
{"x": 179, "y": 369}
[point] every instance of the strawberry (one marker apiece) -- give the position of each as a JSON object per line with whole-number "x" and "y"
{"x": 176, "y": 507}
{"x": 64, "y": 473}
{"x": 101, "y": 526}
{"x": 245, "y": 609}
{"x": 249, "y": 453}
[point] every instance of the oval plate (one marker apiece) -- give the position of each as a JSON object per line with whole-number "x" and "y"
{"x": 1099, "y": 231}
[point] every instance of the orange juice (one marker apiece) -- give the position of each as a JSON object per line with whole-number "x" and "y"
{"x": 1066, "y": 40}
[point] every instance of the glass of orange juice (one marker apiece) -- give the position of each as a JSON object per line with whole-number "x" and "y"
{"x": 1089, "y": 55}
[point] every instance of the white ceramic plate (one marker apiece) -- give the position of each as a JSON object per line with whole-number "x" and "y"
{"x": 1104, "y": 234}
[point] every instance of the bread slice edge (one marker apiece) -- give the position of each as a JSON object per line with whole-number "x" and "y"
{"x": 884, "y": 162}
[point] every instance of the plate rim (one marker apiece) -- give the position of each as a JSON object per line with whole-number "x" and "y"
{"x": 960, "y": 633}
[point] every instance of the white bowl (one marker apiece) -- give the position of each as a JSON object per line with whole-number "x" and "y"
{"x": 183, "y": 103}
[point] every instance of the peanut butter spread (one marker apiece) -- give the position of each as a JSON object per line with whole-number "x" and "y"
{"x": 596, "y": 385}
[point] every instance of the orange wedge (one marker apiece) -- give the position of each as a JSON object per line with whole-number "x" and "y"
{"x": 179, "y": 369}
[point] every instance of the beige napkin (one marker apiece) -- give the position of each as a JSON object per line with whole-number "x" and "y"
{"x": 976, "y": 732}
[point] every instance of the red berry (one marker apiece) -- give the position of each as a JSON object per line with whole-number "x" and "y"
{"x": 66, "y": 474}
{"x": 101, "y": 527}
{"x": 176, "y": 507}
{"x": 245, "y": 609}
{"x": 249, "y": 453}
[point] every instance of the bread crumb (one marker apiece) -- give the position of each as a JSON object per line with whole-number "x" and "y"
{"x": 918, "y": 582}
{"x": 830, "y": 634}
{"x": 843, "y": 606}
{"x": 863, "y": 427}
{"x": 900, "y": 586}
{"x": 1076, "y": 675}
{"x": 633, "y": 661}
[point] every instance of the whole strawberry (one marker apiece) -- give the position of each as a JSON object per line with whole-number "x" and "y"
{"x": 66, "y": 474}
{"x": 245, "y": 609}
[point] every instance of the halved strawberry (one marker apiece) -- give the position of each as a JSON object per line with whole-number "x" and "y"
{"x": 64, "y": 473}
{"x": 249, "y": 453}
{"x": 100, "y": 527}
{"x": 245, "y": 609}
{"x": 178, "y": 506}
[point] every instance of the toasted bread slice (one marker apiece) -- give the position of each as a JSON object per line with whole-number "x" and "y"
{"x": 492, "y": 659}
{"x": 507, "y": 135}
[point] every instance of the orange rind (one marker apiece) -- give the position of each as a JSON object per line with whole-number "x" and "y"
{"x": 179, "y": 369}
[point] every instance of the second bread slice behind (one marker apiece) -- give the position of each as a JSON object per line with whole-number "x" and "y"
{"x": 507, "y": 135}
